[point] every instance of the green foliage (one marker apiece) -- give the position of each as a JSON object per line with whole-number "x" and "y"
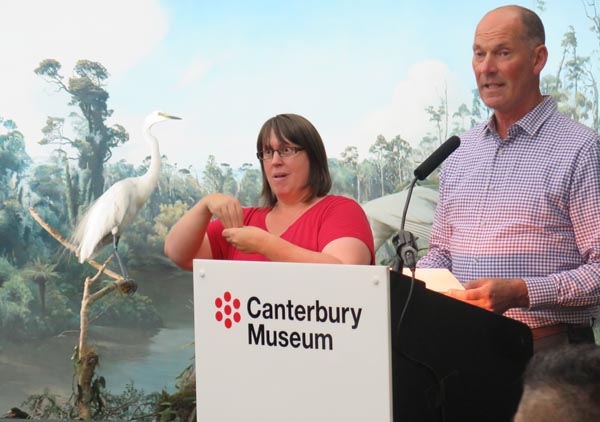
{"x": 213, "y": 178}
{"x": 59, "y": 315}
{"x": 49, "y": 406}
{"x": 48, "y": 184}
{"x": 169, "y": 215}
{"x": 131, "y": 404}
{"x": 7, "y": 270}
{"x": 13, "y": 231}
{"x": 43, "y": 275}
{"x": 16, "y": 320}
{"x": 180, "y": 406}
{"x": 94, "y": 140}
{"x": 249, "y": 186}
{"x": 137, "y": 311}
{"x": 13, "y": 159}
{"x": 134, "y": 247}
{"x": 343, "y": 181}
{"x": 175, "y": 184}
{"x": 22, "y": 315}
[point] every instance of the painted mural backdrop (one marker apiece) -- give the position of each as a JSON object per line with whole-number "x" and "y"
{"x": 76, "y": 85}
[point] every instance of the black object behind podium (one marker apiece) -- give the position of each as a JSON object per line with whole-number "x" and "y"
{"x": 452, "y": 361}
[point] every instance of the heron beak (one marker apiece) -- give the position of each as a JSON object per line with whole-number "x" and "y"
{"x": 168, "y": 116}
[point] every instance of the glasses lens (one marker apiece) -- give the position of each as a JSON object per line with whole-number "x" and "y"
{"x": 287, "y": 151}
{"x": 266, "y": 154}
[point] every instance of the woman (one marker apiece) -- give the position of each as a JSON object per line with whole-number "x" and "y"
{"x": 299, "y": 222}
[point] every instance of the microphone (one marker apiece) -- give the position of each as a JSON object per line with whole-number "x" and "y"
{"x": 437, "y": 157}
{"x": 404, "y": 241}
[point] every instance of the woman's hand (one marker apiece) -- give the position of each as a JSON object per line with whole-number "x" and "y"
{"x": 247, "y": 239}
{"x": 225, "y": 208}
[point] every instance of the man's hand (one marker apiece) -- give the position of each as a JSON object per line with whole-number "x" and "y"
{"x": 494, "y": 294}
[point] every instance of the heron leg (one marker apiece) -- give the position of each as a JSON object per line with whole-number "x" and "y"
{"x": 130, "y": 286}
{"x": 116, "y": 253}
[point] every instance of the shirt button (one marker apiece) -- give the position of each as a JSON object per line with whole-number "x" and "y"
{"x": 475, "y": 260}
{"x": 500, "y": 152}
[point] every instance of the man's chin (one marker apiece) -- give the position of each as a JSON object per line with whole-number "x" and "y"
{"x": 492, "y": 101}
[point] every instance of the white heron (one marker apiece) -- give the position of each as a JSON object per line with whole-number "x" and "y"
{"x": 115, "y": 209}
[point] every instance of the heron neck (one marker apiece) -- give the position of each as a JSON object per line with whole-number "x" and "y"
{"x": 154, "y": 169}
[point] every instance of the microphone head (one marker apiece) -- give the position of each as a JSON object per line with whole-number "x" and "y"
{"x": 437, "y": 157}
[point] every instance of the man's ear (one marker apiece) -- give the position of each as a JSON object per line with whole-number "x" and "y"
{"x": 540, "y": 57}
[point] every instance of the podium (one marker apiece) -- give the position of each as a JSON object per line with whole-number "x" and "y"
{"x": 292, "y": 342}
{"x": 452, "y": 361}
{"x": 324, "y": 342}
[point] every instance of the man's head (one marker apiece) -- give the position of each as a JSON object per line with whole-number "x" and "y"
{"x": 508, "y": 57}
{"x": 562, "y": 384}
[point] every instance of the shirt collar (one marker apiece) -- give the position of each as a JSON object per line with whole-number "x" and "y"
{"x": 532, "y": 121}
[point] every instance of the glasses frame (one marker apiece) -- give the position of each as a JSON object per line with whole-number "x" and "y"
{"x": 295, "y": 150}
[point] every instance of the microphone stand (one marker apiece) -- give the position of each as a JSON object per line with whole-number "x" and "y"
{"x": 406, "y": 256}
{"x": 404, "y": 241}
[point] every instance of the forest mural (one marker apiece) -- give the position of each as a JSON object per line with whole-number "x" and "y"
{"x": 142, "y": 341}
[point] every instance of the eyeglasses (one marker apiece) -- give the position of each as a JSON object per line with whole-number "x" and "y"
{"x": 286, "y": 151}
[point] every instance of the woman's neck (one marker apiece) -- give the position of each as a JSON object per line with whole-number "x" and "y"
{"x": 284, "y": 214}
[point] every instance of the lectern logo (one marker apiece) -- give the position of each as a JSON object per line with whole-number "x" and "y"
{"x": 227, "y": 309}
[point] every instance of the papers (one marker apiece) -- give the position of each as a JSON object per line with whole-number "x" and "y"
{"x": 436, "y": 279}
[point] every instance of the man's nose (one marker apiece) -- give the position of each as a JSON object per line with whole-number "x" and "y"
{"x": 488, "y": 64}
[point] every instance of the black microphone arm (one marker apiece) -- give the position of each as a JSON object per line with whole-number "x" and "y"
{"x": 437, "y": 157}
{"x": 404, "y": 241}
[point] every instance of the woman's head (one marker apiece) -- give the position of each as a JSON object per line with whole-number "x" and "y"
{"x": 292, "y": 130}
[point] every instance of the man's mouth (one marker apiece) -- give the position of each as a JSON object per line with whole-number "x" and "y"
{"x": 493, "y": 85}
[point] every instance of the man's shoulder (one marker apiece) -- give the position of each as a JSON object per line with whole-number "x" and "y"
{"x": 567, "y": 125}
{"x": 476, "y": 132}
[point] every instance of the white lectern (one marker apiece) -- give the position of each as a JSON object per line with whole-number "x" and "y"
{"x": 292, "y": 342}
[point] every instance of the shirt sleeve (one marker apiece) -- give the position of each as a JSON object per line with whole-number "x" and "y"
{"x": 438, "y": 254}
{"x": 344, "y": 217}
{"x": 579, "y": 286}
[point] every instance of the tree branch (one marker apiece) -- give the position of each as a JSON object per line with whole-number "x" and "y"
{"x": 72, "y": 247}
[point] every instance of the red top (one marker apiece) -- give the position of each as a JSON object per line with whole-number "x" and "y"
{"x": 331, "y": 218}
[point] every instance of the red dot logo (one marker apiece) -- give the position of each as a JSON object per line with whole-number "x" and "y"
{"x": 227, "y": 310}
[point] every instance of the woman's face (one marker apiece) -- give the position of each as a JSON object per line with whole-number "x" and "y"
{"x": 287, "y": 176}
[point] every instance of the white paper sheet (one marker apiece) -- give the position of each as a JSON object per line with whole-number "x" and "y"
{"x": 436, "y": 279}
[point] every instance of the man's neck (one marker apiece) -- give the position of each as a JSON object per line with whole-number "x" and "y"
{"x": 504, "y": 121}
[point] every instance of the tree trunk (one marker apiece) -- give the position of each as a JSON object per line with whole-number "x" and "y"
{"x": 88, "y": 359}
{"x": 72, "y": 202}
{"x": 88, "y": 363}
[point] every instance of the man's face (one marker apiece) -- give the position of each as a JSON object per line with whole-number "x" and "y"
{"x": 506, "y": 66}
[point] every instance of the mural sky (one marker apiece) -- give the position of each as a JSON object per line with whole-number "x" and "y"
{"x": 355, "y": 69}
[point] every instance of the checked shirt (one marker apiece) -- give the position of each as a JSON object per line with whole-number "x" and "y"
{"x": 525, "y": 207}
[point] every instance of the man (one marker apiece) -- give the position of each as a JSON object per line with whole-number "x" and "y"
{"x": 518, "y": 219}
{"x": 562, "y": 384}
